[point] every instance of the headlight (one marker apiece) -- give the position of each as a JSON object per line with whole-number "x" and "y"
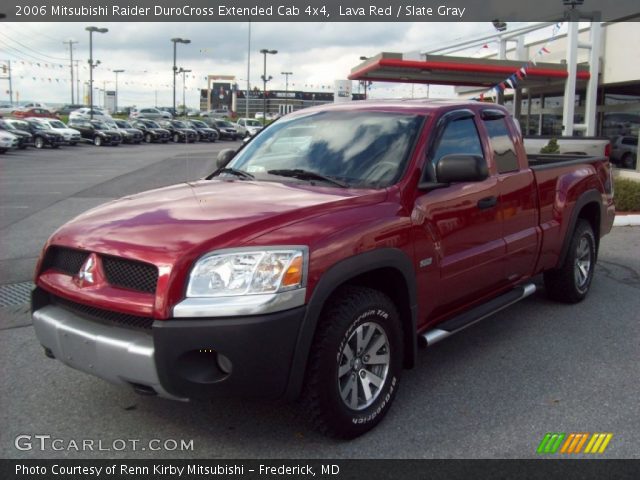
{"x": 248, "y": 272}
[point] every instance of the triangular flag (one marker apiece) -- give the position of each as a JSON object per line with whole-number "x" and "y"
{"x": 508, "y": 82}
{"x": 545, "y": 50}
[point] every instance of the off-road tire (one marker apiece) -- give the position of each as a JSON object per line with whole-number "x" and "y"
{"x": 570, "y": 283}
{"x": 348, "y": 309}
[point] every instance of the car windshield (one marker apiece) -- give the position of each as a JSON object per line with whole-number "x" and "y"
{"x": 7, "y": 125}
{"x": 57, "y": 124}
{"x": 222, "y": 123}
{"x": 39, "y": 126}
{"x": 123, "y": 124}
{"x": 198, "y": 123}
{"x": 252, "y": 123}
{"x": 100, "y": 125}
{"x": 151, "y": 124}
{"x": 360, "y": 149}
{"x": 179, "y": 124}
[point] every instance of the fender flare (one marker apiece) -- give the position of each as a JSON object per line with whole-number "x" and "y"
{"x": 337, "y": 275}
{"x": 590, "y": 196}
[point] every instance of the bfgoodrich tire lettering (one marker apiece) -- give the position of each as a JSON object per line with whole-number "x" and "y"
{"x": 354, "y": 316}
{"x": 570, "y": 283}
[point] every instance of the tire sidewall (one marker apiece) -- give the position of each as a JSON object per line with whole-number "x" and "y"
{"x": 355, "y": 422}
{"x": 583, "y": 231}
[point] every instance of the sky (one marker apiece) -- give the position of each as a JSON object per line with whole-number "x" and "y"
{"x": 316, "y": 53}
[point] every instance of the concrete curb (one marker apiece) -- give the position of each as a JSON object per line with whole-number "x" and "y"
{"x": 626, "y": 221}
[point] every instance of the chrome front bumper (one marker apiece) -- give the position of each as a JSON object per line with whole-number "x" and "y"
{"x": 118, "y": 355}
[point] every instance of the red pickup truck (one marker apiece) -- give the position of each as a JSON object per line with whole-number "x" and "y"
{"x": 320, "y": 256}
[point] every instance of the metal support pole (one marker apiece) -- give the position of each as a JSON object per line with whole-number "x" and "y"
{"x": 264, "y": 91}
{"x": 91, "y": 75}
{"x": 10, "y": 82}
{"x": 591, "y": 103}
{"x": 246, "y": 100}
{"x": 174, "y": 76}
{"x": 568, "y": 109}
{"x": 71, "y": 42}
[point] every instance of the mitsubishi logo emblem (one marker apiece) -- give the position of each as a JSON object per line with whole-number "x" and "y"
{"x": 87, "y": 274}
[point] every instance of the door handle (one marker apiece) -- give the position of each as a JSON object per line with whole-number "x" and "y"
{"x": 488, "y": 202}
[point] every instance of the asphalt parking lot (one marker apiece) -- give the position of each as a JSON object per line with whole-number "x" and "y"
{"x": 492, "y": 391}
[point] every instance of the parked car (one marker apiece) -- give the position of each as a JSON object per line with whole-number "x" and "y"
{"x": 215, "y": 114}
{"x": 150, "y": 113}
{"x": 8, "y": 141}
{"x": 180, "y": 131}
{"x": 42, "y": 136}
{"x": 204, "y": 132}
{"x": 225, "y": 129}
{"x": 67, "y": 109}
{"x": 251, "y": 126}
{"x": 97, "y": 131}
{"x": 624, "y": 151}
{"x": 259, "y": 116}
{"x": 34, "y": 112}
{"x": 170, "y": 110}
{"x": 152, "y": 131}
{"x": 7, "y": 109}
{"x": 322, "y": 271}
{"x": 25, "y": 139}
{"x": 86, "y": 113}
{"x": 29, "y": 105}
{"x": 71, "y": 135}
{"x": 129, "y": 134}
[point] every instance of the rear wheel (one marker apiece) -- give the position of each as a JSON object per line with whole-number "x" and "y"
{"x": 38, "y": 142}
{"x": 148, "y": 138}
{"x": 176, "y": 137}
{"x": 97, "y": 141}
{"x": 355, "y": 364}
{"x": 570, "y": 283}
{"x": 73, "y": 144}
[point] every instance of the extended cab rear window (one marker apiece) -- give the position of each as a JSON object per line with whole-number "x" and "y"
{"x": 504, "y": 151}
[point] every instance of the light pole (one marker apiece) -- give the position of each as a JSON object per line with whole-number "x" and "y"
{"x": 286, "y": 89}
{"x": 176, "y": 41}
{"x": 91, "y": 30}
{"x": 71, "y": 43}
{"x": 116, "y": 105}
{"x": 184, "y": 103}
{"x": 264, "y": 52}
{"x": 364, "y": 82}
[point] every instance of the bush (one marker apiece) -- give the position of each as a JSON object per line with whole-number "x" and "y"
{"x": 551, "y": 147}
{"x": 627, "y": 195}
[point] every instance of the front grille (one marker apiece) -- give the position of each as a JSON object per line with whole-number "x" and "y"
{"x": 103, "y": 316}
{"x": 66, "y": 260}
{"x": 130, "y": 274}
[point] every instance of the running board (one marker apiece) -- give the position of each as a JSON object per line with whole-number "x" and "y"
{"x": 468, "y": 318}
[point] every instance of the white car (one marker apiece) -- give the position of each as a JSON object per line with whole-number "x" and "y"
{"x": 7, "y": 109}
{"x": 27, "y": 106}
{"x": 71, "y": 135}
{"x": 149, "y": 113}
{"x": 7, "y": 141}
{"x": 85, "y": 114}
{"x": 250, "y": 126}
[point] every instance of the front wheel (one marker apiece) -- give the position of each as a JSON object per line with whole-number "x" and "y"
{"x": 176, "y": 137}
{"x": 38, "y": 142}
{"x": 355, "y": 364}
{"x": 97, "y": 141}
{"x": 147, "y": 138}
{"x": 570, "y": 283}
{"x": 628, "y": 161}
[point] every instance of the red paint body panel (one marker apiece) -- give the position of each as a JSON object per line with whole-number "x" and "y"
{"x": 472, "y": 254}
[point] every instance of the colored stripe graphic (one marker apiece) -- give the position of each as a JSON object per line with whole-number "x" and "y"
{"x": 574, "y": 442}
{"x": 550, "y": 443}
{"x": 598, "y": 443}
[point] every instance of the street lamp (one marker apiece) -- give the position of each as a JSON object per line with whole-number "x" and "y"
{"x": 286, "y": 88}
{"x": 91, "y": 31}
{"x": 116, "y": 105}
{"x": 184, "y": 103}
{"x": 265, "y": 51}
{"x": 176, "y": 41}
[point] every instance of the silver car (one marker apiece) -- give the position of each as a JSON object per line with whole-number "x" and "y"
{"x": 624, "y": 151}
{"x": 150, "y": 113}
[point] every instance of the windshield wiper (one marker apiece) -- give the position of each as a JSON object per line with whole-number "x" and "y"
{"x": 307, "y": 175}
{"x": 233, "y": 171}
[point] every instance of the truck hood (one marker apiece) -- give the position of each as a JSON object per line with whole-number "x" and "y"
{"x": 183, "y": 221}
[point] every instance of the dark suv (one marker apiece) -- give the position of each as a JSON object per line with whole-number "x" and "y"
{"x": 180, "y": 131}
{"x": 151, "y": 131}
{"x": 42, "y": 136}
{"x": 96, "y": 131}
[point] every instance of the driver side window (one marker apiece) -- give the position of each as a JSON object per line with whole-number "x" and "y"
{"x": 459, "y": 137}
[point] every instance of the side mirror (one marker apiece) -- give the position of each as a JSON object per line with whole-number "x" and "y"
{"x": 224, "y": 157}
{"x": 461, "y": 168}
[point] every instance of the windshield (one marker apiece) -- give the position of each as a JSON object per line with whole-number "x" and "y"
{"x": 252, "y": 123}
{"x": 361, "y": 148}
{"x": 123, "y": 124}
{"x": 100, "y": 125}
{"x": 151, "y": 124}
{"x": 198, "y": 123}
{"x": 222, "y": 123}
{"x": 39, "y": 126}
{"x": 179, "y": 124}
{"x": 57, "y": 124}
